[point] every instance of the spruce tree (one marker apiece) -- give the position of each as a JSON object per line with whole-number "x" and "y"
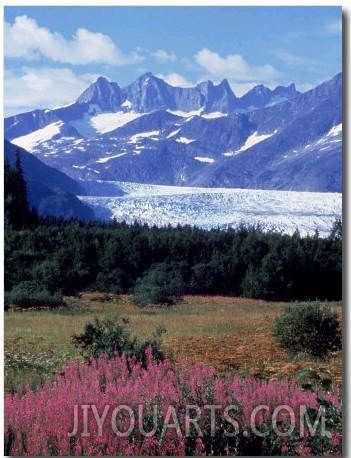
{"x": 17, "y": 213}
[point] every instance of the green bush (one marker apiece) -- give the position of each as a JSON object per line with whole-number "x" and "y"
{"x": 114, "y": 281}
{"x": 111, "y": 338}
{"x": 310, "y": 379}
{"x": 309, "y": 328}
{"x": 27, "y": 295}
{"x": 161, "y": 284}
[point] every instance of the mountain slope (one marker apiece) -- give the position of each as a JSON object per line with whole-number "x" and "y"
{"x": 49, "y": 190}
{"x": 151, "y": 132}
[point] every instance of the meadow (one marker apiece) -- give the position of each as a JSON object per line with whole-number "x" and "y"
{"x": 219, "y": 350}
{"x": 223, "y": 332}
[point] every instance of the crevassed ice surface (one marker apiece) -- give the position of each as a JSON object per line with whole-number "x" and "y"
{"x": 282, "y": 211}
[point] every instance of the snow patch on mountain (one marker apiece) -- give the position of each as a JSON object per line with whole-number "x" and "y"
{"x": 106, "y": 122}
{"x": 127, "y": 104}
{"x": 209, "y": 160}
{"x": 327, "y": 142}
{"x": 32, "y": 140}
{"x": 108, "y": 158}
{"x": 190, "y": 114}
{"x": 215, "y": 114}
{"x": 253, "y": 140}
{"x": 186, "y": 114}
{"x": 172, "y": 134}
{"x": 58, "y": 107}
{"x": 336, "y": 130}
{"x": 96, "y": 122}
{"x": 135, "y": 138}
{"x": 138, "y": 149}
{"x": 184, "y": 140}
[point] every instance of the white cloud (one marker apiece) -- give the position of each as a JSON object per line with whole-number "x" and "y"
{"x": 25, "y": 39}
{"x": 234, "y": 66}
{"x": 42, "y": 88}
{"x": 334, "y": 27}
{"x": 163, "y": 56}
{"x": 175, "y": 79}
{"x": 312, "y": 64}
{"x": 290, "y": 59}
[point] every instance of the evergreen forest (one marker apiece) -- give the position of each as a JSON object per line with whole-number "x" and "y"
{"x": 53, "y": 256}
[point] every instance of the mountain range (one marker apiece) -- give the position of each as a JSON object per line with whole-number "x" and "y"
{"x": 153, "y": 133}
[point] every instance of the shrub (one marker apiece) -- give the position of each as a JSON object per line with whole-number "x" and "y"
{"x": 114, "y": 281}
{"x": 310, "y": 379}
{"x": 110, "y": 338}
{"x": 310, "y": 328}
{"x": 207, "y": 278}
{"x": 161, "y": 284}
{"x": 27, "y": 295}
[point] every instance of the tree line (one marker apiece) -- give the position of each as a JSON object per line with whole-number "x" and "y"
{"x": 65, "y": 257}
{"x": 71, "y": 256}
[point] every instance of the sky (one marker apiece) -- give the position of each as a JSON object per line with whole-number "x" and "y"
{"x": 52, "y": 54}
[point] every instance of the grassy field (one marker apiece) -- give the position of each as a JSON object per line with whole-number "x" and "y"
{"x": 226, "y": 333}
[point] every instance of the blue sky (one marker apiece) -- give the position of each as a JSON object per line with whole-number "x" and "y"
{"x": 51, "y": 54}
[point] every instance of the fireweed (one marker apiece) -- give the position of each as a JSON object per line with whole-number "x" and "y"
{"x": 117, "y": 407}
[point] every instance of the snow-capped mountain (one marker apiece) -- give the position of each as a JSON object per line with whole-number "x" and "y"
{"x": 261, "y": 96}
{"x": 149, "y": 93}
{"x": 151, "y": 132}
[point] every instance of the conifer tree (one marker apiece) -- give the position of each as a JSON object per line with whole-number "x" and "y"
{"x": 17, "y": 214}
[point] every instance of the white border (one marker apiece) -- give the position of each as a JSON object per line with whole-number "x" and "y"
{"x": 346, "y": 7}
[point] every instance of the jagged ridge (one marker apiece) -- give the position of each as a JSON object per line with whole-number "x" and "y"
{"x": 140, "y": 134}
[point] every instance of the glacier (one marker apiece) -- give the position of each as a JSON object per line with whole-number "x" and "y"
{"x": 212, "y": 208}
